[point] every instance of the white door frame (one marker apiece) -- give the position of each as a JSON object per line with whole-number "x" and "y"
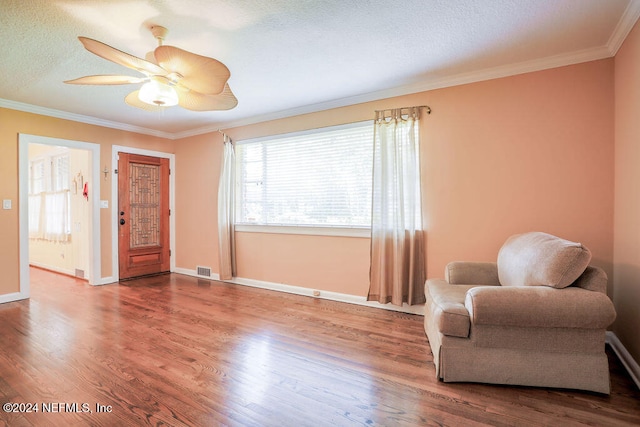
{"x": 23, "y": 193}
{"x": 114, "y": 202}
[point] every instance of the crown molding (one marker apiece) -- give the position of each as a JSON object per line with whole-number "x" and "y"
{"x": 541, "y": 64}
{"x": 422, "y": 86}
{"x": 65, "y": 115}
{"x": 624, "y": 26}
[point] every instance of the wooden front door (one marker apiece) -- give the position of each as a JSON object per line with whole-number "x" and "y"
{"x": 143, "y": 220}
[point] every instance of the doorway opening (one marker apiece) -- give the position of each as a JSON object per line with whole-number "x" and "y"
{"x": 52, "y": 156}
{"x": 59, "y": 209}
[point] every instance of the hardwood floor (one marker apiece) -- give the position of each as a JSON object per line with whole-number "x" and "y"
{"x": 176, "y": 350}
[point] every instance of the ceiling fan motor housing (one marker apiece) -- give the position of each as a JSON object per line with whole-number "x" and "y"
{"x": 159, "y": 33}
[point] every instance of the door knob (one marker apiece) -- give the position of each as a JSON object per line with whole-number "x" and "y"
{"x": 122, "y": 221}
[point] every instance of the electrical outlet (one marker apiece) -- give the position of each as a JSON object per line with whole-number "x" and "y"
{"x": 6, "y": 204}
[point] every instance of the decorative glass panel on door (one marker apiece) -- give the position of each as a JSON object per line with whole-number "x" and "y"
{"x": 144, "y": 182}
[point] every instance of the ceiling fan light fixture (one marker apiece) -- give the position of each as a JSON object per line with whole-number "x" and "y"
{"x": 172, "y": 76}
{"x": 158, "y": 94}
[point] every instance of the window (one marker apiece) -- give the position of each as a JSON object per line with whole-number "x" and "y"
{"x": 318, "y": 178}
{"x": 49, "y": 199}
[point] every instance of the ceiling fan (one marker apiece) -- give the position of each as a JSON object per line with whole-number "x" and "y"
{"x": 172, "y": 76}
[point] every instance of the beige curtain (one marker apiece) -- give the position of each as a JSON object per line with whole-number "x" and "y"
{"x": 397, "y": 272}
{"x": 226, "y": 213}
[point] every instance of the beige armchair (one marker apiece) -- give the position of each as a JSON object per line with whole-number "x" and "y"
{"x": 536, "y": 317}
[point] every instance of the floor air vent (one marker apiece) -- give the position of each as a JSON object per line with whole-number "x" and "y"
{"x": 79, "y": 273}
{"x": 203, "y": 271}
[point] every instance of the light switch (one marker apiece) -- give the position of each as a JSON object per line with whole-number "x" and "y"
{"x": 104, "y": 204}
{"x": 6, "y": 204}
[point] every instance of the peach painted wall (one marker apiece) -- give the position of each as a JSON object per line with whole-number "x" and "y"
{"x": 523, "y": 153}
{"x": 505, "y": 156}
{"x": 626, "y": 290}
{"x": 14, "y": 122}
{"x": 328, "y": 263}
{"x": 198, "y": 163}
{"x": 528, "y": 152}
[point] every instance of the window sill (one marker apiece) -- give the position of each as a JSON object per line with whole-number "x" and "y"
{"x": 301, "y": 230}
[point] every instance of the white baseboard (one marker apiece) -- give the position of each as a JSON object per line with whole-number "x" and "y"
{"x": 625, "y": 357}
{"x": 15, "y": 296}
{"x": 106, "y": 281}
{"x": 102, "y": 281}
{"x": 187, "y": 272}
{"x": 53, "y": 268}
{"x": 313, "y": 293}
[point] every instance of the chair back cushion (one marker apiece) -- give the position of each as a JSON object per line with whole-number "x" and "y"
{"x": 540, "y": 259}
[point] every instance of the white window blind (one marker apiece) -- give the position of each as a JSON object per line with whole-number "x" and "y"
{"x": 60, "y": 172}
{"x": 36, "y": 178}
{"x": 319, "y": 178}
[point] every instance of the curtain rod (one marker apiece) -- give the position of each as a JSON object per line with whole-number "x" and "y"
{"x": 225, "y": 137}
{"x": 405, "y": 108}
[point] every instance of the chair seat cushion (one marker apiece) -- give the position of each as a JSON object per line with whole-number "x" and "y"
{"x": 445, "y": 302}
{"x": 540, "y": 259}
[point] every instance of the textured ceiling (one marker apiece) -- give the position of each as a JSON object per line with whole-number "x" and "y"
{"x": 292, "y": 56}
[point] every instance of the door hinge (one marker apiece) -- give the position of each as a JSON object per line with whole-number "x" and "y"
{"x": 115, "y": 171}
{"x": 169, "y": 252}
{"x": 169, "y": 212}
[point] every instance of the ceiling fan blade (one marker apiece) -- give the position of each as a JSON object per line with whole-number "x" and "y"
{"x": 119, "y": 57}
{"x": 199, "y": 73}
{"x": 133, "y": 100}
{"x": 195, "y": 101}
{"x": 106, "y": 80}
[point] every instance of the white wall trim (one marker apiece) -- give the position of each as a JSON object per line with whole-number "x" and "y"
{"x": 108, "y": 280}
{"x": 304, "y": 230}
{"x": 23, "y": 190}
{"x": 187, "y": 272}
{"x": 102, "y": 281}
{"x": 115, "y": 149}
{"x": 55, "y": 269}
{"x": 16, "y": 296}
{"x": 625, "y": 357}
{"x": 298, "y": 290}
{"x": 423, "y": 85}
{"x": 624, "y": 26}
{"x": 23, "y": 222}
{"x": 65, "y": 115}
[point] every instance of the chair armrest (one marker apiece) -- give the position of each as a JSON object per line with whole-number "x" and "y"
{"x": 539, "y": 306}
{"x": 593, "y": 279}
{"x": 472, "y": 273}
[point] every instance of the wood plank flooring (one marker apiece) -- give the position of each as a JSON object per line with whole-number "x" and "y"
{"x": 175, "y": 350}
